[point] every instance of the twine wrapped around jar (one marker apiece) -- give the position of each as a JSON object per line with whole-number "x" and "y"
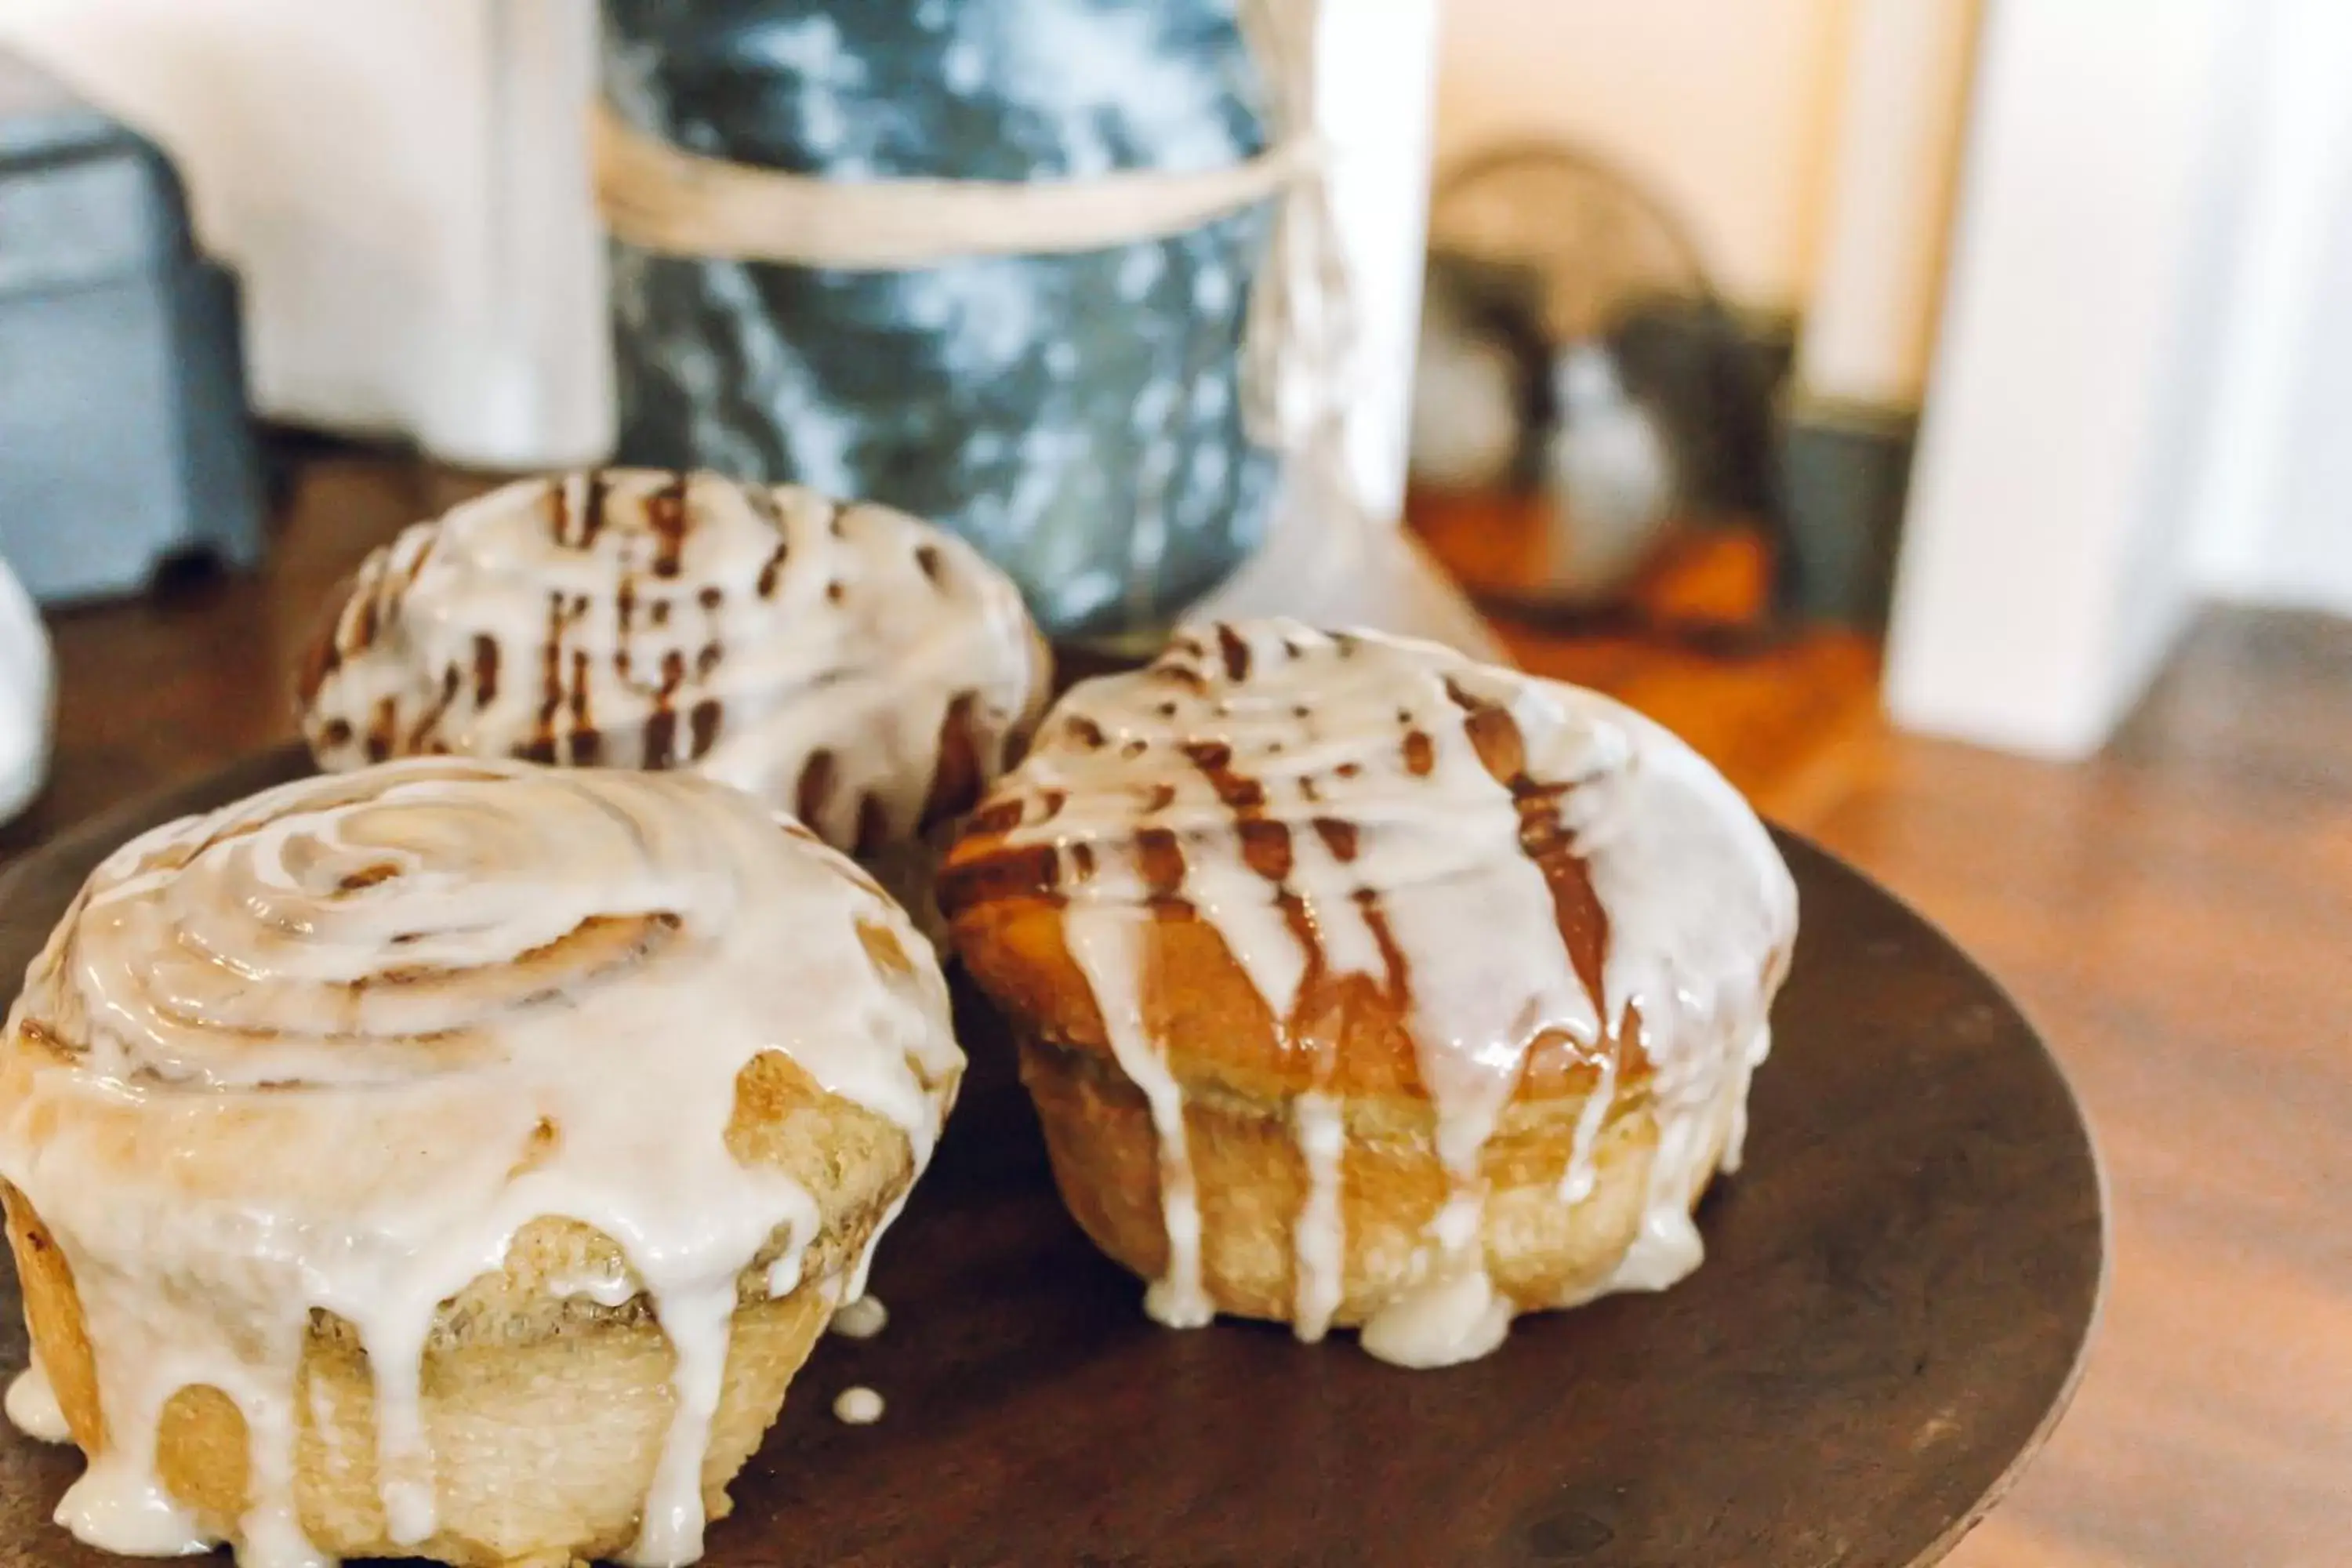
{"x": 1327, "y": 551}
{"x": 1300, "y": 336}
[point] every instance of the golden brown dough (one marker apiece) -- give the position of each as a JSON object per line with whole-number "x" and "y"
{"x": 1359, "y": 984}
{"x": 839, "y": 660}
{"x": 461, "y": 1165}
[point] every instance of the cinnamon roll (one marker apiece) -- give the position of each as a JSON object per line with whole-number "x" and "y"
{"x": 1358, "y": 983}
{"x": 453, "y": 1160}
{"x": 844, "y": 661}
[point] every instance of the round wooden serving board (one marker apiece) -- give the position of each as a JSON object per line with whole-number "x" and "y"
{"x": 1892, "y": 1314}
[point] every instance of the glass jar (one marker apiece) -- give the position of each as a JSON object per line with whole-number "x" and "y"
{"x": 1078, "y": 417}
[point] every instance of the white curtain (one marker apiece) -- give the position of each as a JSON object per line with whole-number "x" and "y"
{"x": 402, "y": 188}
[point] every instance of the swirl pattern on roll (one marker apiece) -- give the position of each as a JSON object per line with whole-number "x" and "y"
{"x": 359, "y": 940}
{"x": 842, "y": 660}
{"x": 353, "y": 1033}
{"x": 1531, "y": 866}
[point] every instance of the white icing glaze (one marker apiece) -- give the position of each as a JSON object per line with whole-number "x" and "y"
{"x": 807, "y": 650}
{"x": 1353, "y": 763}
{"x": 859, "y": 1407}
{"x": 249, "y": 1126}
{"x": 1576, "y": 1183}
{"x": 611, "y": 1286}
{"x": 853, "y": 1285}
{"x": 784, "y": 1274}
{"x": 861, "y": 1319}
{"x": 1320, "y": 1242}
{"x": 33, "y": 1408}
{"x": 1450, "y": 1318}
{"x": 119, "y": 1506}
{"x": 1102, "y": 942}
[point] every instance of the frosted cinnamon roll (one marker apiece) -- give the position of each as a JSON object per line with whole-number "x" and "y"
{"x": 1358, "y": 983}
{"x": 860, "y": 668}
{"x": 453, "y": 1160}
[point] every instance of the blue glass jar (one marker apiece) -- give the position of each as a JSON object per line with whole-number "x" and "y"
{"x": 1076, "y": 417}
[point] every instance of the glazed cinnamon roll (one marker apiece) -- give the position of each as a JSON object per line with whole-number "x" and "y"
{"x": 855, "y": 666}
{"x": 1358, "y": 983}
{"x": 453, "y": 1160}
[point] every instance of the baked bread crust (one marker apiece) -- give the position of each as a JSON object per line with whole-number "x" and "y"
{"x": 1239, "y": 908}
{"x": 841, "y": 660}
{"x": 546, "y": 1410}
{"x": 282, "y": 1071}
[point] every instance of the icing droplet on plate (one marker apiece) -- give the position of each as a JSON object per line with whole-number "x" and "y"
{"x": 1454, "y": 1317}
{"x": 862, "y": 1318}
{"x": 859, "y": 1407}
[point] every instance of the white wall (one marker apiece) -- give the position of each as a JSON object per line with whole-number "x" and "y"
{"x": 1809, "y": 145}
{"x": 1374, "y": 100}
{"x": 2045, "y": 562}
{"x": 2145, "y": 374}
{"x": 1871, "y": 311}
{"x": 1725, "y": 107}
{"x": 2275, "y": 504}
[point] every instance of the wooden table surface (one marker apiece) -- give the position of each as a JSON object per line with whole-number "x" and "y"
{"x": 2174, "y": 914}
{"x": 1898, "y": 1288}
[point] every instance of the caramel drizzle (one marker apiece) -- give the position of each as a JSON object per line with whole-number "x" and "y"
{"x": 486, "y": 671}
{"x": 1264, "y": 841}
{"x": 1544, "y": 840}
{"x": 555, "y": 696}
{"x": 661, "y": 725}
{"x": 592, "y": 514}
{"x": 667, "y": 518}
{"x": 686, "y": 715}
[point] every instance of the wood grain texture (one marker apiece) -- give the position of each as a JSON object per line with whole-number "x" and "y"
{"x": 2173, "y": 913}
{"x": 2176, "y": 914}
{"x": 1899, "y": 1289}
{"x": 163, "y": 690}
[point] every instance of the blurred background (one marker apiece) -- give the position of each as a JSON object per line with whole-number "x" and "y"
{"x": 1932, "y": 408}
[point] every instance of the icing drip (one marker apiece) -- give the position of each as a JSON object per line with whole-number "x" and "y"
{"x": 1103, "y": 944}
{"x": 1760, "y": 1047}
{"x": 1576, "y": 1184}
{"x": 1320, "y": 1244}
{"x": 842, "y": 661}
{"x": 119, "y": 1506}
{"x": 853, "y": 1286}
{"x": 33, "y": 1408}
{"x": 859, "y": 1407}
{"x": 861, "y": 1319}
{"x": 1516, "y": 860}
{"x": 380, "y": 1023}
{"x": 1453, "y": 1317}
{"x": 697, "y": 1321}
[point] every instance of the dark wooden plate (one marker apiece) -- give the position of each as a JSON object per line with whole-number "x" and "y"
{"x": 1891, "y": 1317}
